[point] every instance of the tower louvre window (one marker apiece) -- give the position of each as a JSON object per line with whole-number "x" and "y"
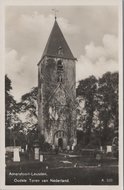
{"x": 59, "y": 65}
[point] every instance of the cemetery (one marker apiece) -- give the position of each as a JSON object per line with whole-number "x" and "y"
{"x": 42, "y": 168}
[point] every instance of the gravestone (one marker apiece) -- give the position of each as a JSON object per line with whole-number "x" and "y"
{"x": 53, "y": 147}
{"x": 16, "y": 157}
{"x": 26, "y": 148}
{"x": 101, "y": 148}
{"x": 68, "y": 147}
{"x": 36, "y": 153}
{"x": 41, "y": 158}
{"x": 22, "y": 150}
{"x": 72, "y": 147}
{"x": 109, "y": 148}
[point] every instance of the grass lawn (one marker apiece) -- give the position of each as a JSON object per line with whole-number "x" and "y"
{"x": 63, "y": 170}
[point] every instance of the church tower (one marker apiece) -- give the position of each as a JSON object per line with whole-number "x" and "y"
{"x": 57, "y": 91}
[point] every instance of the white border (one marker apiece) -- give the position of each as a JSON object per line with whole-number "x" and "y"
{"x": 4, "y": 3}
{"x": 62, "y": 2}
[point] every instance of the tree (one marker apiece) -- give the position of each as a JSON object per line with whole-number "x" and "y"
{"x": 11, "y": 117}
{"x": 9, "y": 101}
{"x": 28, "y": 114}
{"x": 29, "y": 103}
{"x": 98, "y": 117}
{"x": 87, "y": 89}
{"x": 108, "y": 106}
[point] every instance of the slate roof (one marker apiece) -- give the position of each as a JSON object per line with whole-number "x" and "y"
{"x": 57, "y": 42}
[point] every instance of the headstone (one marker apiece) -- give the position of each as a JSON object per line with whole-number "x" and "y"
{"x": 109, "y": 148}
{"x": 98, "y": 156}
{"x": 68, "y": 147}
{"x": 101, "y": 148}
{"x": 53, "y": 147}
{"x": 41, "y": 158}
{"x": 46, "y": 167}
{"x": 26, "y": 148}
{"x": 72, "y": 147}
{"x": 22, "y": 149}
{"x": 75, "y": 142}
{"x": 75, "y": 165}
{"x": 36, "y": 153}
{"x": 16, "y": 157}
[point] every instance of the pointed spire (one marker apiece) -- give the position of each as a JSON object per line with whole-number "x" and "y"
{"x": 56, "y": 45}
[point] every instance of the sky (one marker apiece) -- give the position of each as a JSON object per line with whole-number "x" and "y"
{"x": 90, "y": 31}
